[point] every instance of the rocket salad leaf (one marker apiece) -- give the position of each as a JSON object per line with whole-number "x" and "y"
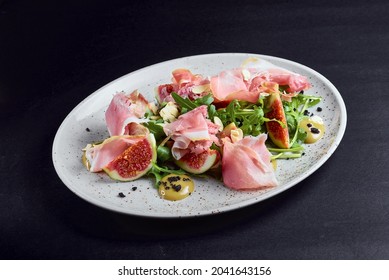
{"x": 249, "y": 117}
{"x": 295, "y": 111}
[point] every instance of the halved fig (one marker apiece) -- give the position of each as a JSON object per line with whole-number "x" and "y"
{"x": 278, "y": 134}
{"x": 135, "y": 161}
{"x": 199, "y": 163}
{"x": 98, "y": 155}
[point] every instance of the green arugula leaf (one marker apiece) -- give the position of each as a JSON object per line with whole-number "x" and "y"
{"x": 155, "y": 127}
{"x": 161, "y": 171}
{"x": 188, "y": 105}
{"x": 205, "y": 100}
{"x": 184, "y": 103}
{"x": 247, "y": 116}
{"x": 295, "y": 112}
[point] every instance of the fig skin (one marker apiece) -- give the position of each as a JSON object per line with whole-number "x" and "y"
{"x": 198, "y": 164}
{"x": 278, "y": 134}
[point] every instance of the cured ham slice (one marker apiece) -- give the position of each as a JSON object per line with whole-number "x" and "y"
{"x": 272, "y": 73}
{"x": 163, "y": 92}
{"x": 294, "y": 83}
{"x": 123, "y": 110}
{"x": 99, "y": 156}
{"x": 136, "y": 129}
{"x": 246, "y": 164}
{"x": 191, "y": 132}
{"x": 183, "y": 76}
{"x": 185, "y": 84}
{"x": 230, "y": 85}
{"x": 245, "y": 83}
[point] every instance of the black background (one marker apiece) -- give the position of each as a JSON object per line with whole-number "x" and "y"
{"x": 54, "y": 54}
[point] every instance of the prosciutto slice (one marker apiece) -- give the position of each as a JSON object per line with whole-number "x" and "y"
{"x": 100, "y": 155}
{"x": 183, "y": 76}
{"x": 272, "y": 73}
{"x": 245, "y": 83}
{"x": 185, "y": 84}
{"x": 191, "y": 132}
{"x": 246, "y": 164}
{"x": 124, "y": 110}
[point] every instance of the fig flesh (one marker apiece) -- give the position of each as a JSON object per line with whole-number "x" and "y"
{"x": 278, "y": 133}
{"x": 135, "y": 161}
{"x": 198, "y": 163}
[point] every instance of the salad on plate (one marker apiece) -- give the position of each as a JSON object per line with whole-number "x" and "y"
{"x": 232, "y": 126}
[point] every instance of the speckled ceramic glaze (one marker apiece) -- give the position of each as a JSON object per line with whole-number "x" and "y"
{"x": 86, "y": 124}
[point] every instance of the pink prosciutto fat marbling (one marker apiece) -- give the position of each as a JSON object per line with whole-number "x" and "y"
{"x": 245, "y": 83}
{"x": 123, "y": 110}
{"x": 185, "y": 84}
{"x": 231, "y": 84}
{"x": 246, "y": 164}
{"x": 242, "y": 83}
{"x": 192, "y": 132}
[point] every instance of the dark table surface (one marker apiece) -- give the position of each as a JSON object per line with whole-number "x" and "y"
{"x": 54, "y": 54}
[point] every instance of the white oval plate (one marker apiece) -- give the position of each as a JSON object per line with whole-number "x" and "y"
{"x": 86, "y": 124}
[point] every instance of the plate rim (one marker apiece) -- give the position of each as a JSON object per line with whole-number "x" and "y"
{"x": 271, "y": 193}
